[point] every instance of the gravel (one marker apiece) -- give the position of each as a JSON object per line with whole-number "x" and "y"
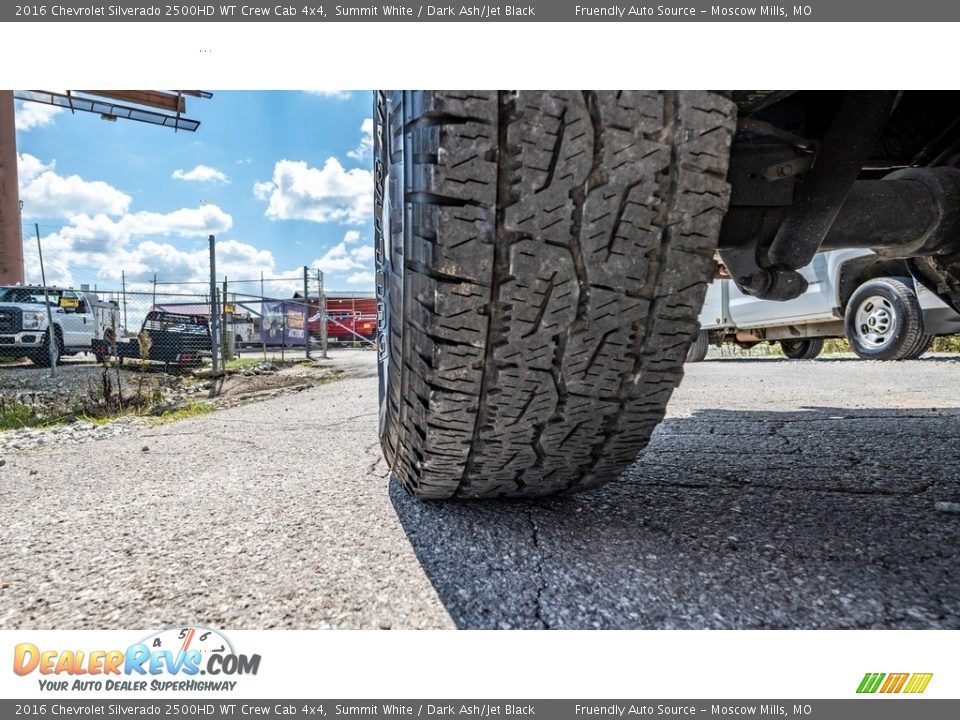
{"x": 814, "y": 494}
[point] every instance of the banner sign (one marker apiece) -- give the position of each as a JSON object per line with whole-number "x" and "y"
{"x": 283, "y": 323}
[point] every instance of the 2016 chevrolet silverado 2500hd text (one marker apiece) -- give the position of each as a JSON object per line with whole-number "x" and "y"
{"x": 543, "y": 256}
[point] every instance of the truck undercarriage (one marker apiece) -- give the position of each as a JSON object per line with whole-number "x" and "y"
{"x": 825, "y": 170}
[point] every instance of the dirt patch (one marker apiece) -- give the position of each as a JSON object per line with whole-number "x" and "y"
{"x": 94, "y": 392}
{"x": 269, "y": 379}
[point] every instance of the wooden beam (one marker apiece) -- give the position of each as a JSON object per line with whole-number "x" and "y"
{"x": 151, "y": 98}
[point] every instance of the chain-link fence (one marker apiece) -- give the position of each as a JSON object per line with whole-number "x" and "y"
{"x": 60, "y": 338}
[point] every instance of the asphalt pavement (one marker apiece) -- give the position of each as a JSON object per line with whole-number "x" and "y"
{"x": 776, "y": 494}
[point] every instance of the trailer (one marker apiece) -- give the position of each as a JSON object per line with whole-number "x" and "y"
{"x": 166, "y": 337}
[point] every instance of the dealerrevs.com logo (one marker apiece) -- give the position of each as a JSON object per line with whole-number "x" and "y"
{"x": 171, "y": 659}
{"x": 888, "y": 683}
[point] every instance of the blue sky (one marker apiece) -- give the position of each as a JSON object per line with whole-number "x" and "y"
{"x": 281, "y": 178}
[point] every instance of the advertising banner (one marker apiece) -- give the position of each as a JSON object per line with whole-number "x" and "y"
{"x": 283, "y": 323}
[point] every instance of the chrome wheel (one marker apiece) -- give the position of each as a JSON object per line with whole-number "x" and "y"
{"x": 876, "y": 321}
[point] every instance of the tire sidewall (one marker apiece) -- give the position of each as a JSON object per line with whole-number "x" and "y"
{"x": 383, "y": 251}
{"x": 699, "y": 347}
{"x": 895, "y": 348}
{"x": 795, "y": 352}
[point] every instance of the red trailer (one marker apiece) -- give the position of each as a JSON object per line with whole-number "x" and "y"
{"x": 348, "y": 317}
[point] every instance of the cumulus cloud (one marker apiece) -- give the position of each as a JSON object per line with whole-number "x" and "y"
{"x": 364, "y": 150}
{"x": 46, "y": 194}
{"x": 362, "y": 278}
{"x": 338, "y": 259}
{"x": 351, "y": 236}
{"x": 201, "y": 173}
{"x": 29, "y": 115}
{"x": 333, "y": 94}
{"x": 328, "y": 194}
{"x": 364, "y": 253}
{"x": 234, "y": 259}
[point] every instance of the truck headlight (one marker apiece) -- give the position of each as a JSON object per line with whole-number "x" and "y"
{"x": 33, "y": 321}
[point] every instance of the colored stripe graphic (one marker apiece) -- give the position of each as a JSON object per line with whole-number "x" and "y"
{"x": 894, "y": 682}
{"x": 870, "y": 682}
{"x": 918, "y": 682}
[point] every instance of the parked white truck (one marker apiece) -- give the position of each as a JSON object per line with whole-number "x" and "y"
{"x": 79, "y": 317}
{"x": 854, "y": 294}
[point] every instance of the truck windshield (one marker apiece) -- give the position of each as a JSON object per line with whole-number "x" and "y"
{"x": 28, "y": 296}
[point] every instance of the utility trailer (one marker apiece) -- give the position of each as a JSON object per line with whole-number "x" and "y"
{"x": 542, "y": 256}
{"x": 166, "y": 337}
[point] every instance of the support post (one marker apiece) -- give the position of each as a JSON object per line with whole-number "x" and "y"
{"x": 11, "y": 239}
{"x": 306, "y": 309}
{"x": 214, "y": 320}
{"x": 323, "y": 316}
{"x": 51, "y": 333}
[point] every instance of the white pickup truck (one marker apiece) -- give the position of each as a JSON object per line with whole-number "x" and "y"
{"x": 79, "y": 317}
{"x": 872, "y": 302}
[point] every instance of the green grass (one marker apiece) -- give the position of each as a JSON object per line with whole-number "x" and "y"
{"x": 194, "y": 408}
{"x": 242, "y": 363}
{"x": 14, "y": 416}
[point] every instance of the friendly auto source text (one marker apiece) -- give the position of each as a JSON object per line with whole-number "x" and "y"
{"x": 627, "y": 11}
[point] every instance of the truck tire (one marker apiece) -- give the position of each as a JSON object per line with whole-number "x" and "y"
{"x": 541, "y": 261}
{"x": 802, "y": 349}
{"x": 883, "y": 320}
{"x": 698, "y": 350}
{"x": 922, "y": 346}
{"x": 41, "y": 357}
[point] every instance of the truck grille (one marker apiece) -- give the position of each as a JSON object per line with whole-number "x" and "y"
{"x": 10, "y": 320}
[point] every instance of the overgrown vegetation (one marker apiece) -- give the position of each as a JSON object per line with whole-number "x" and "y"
{"x": 242, "y": 363}
{"x": 16, "y": 415}
{"x": 194, "y": 408}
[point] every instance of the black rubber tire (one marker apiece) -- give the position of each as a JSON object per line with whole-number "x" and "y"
{"x": 41, "y": 357}
{"x": 905, "y": 330}
{"x": 802, "y": 349}
{"x": 923, "y": 344}
{"x": 542, "y": 258}
{"x": 699, "y": 346}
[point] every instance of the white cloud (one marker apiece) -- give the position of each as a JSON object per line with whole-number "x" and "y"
{"x": 333, "y": 94}
{"x": 29, "y": 115}
{"x": 364, "y": 253}
{"x": 351, "y": 236}
{"x": 327, "y": 194}
{"x": 103, "y": 242}
{"x": 365, "y": 149}
{"x": 201, "y": 173}
{"x": 46, "y": 194}
{"x": 262, "y": 190}
{"x": 362, "y": 278}
{"x": 244, "y": 161}
{"x": 338, "y": 259}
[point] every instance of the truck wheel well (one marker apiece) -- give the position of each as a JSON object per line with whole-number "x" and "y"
{"x": 856, "y": 272}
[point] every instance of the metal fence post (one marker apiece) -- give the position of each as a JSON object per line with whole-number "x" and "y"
{"x": 123, "y": 281}
{"x": 214, "y": 320}
{"x": 224, "y": 329}
{"x": 306, "y": 309}
{"x": 51, "y": 334}
{"x": 323, "y": 315}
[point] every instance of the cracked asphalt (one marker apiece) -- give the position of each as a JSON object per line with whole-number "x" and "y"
{"x": 776, "y": 494}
